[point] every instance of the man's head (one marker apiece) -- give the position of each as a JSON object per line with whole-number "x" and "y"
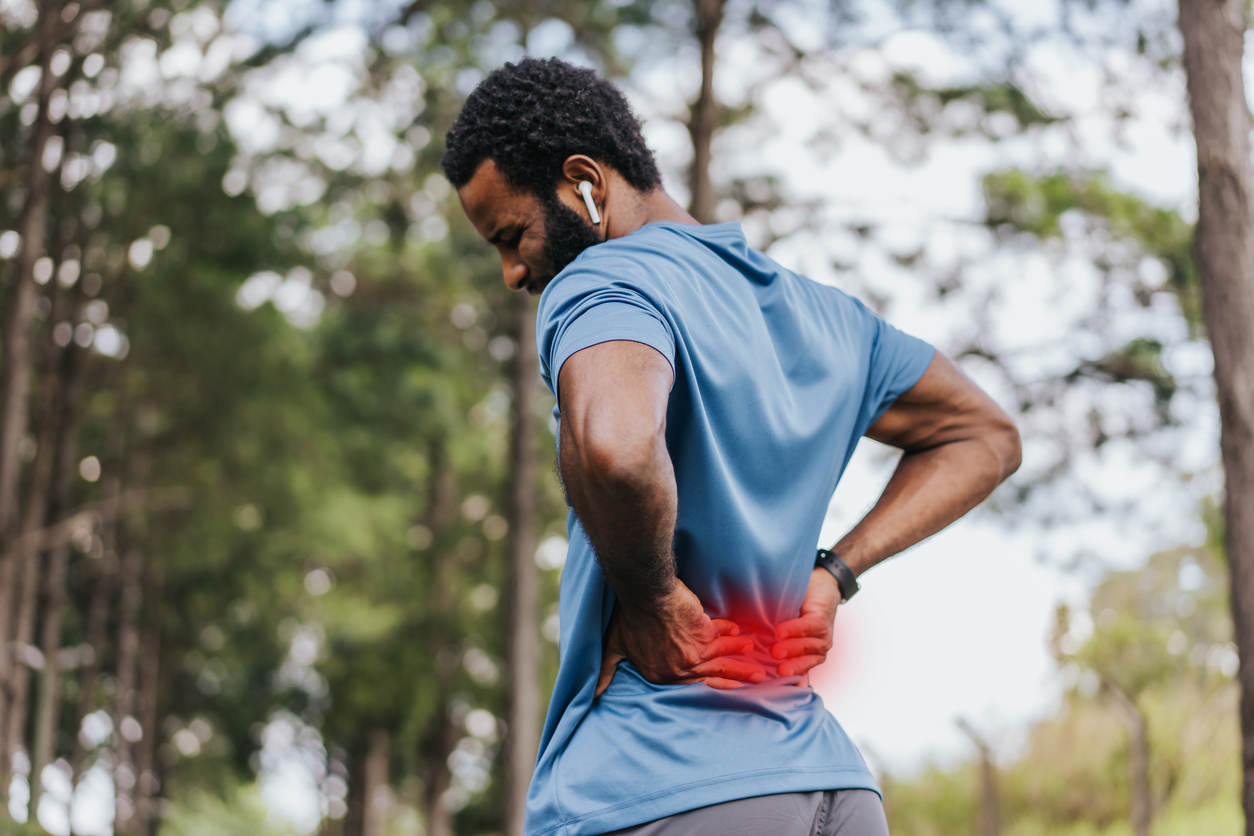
{"x": 525, "y": 139}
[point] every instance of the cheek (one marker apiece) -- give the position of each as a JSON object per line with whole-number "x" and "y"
{"x": 573, "y": 200}
{"x": 531, "y": 250}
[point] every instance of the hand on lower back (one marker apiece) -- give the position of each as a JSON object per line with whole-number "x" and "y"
{"x": 676, "y": 642}
{"x": 804, "y": 641}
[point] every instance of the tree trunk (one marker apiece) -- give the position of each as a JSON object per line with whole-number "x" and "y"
{"x": 48, "y": 707}
{"x": 523, "y": 721}
{"x": 377, "y": 800}
{"x": 1138, "y": 759}
{"x": 125, "y": 723}
{"x": 704, "y": 113}
{"x": 442, "y": 489}
{"x": 103, "y": 581}
{"x": 1214, "y": 32}
{"x": 147, "y": 784}
{"x": 27, "y": 552}
{"x": 355, "y": 819}
{"x": 436, "y": 749}
{"x": 988, "y": 816}
{"x": 26, "y": 560}
{"x": 17, "y": 352}
{"x": 439, "y": 738}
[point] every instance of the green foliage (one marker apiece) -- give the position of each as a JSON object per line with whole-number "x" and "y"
{"x": 924, "y": 106}
{"x": 938, "y": 802}
{"x": 1022, "y": 203}
{"x": 1000, "y": 97}
{"x": 12, "y": 828}
{"x": 1164, "y": 623}
{"x": 240, "y": 810}
{"x": 273, "y": 453}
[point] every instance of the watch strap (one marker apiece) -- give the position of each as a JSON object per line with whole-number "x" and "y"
{"x": 845, "y": 578}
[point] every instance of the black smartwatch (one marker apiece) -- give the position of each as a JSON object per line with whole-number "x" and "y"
{"x": 840, "y": 570}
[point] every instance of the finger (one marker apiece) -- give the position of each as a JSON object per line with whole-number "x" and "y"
{"x": 800, "y": 665}
{"x": 727, "y": 646}
{"x": 723, "y": 627}
{"x": 609, "y": 664}
{"x": 806, "y": 625}
{"x": 720, "y": 684}
{"x": 801, "y": 647}
{"x": 730, "y": 669}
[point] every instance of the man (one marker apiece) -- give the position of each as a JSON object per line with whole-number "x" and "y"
{"x": 709, "y": 400}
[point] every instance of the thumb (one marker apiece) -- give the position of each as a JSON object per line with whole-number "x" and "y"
{"x": 611, "y": 654}
{"x": 609, "y": 663}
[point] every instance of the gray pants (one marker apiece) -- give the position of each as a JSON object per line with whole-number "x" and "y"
{"x": 831, "y": 813}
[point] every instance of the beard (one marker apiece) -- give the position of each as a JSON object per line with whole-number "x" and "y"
{"x": 567, "y": 235}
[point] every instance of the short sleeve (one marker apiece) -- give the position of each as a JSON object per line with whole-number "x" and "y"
{"x": 898, "y": 361}
{"x": 574, "y": 320}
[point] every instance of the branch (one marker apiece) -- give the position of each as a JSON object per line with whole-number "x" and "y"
{"x": 976, "y": 737}
{"x": 1132, "y": 713}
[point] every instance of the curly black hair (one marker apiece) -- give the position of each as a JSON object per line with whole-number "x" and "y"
{"x": 530, "y": 116}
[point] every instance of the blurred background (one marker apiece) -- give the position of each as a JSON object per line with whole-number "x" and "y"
{"x": 282, "y": 535}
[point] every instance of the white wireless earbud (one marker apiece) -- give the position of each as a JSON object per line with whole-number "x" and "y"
{"x": 585, "y": 188}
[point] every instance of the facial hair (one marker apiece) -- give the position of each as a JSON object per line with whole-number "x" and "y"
{"x": 567, "y": 234}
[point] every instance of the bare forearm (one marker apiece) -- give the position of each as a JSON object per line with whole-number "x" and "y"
{"x": 629, "y": 516}
{"x": 928, "y": 491}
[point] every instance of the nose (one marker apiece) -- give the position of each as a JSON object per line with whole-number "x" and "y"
{"x": 514, "y": 271}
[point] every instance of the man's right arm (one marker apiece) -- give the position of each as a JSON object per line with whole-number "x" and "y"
{"x": 615, "y": 466}
{"x": 618, "y": 476}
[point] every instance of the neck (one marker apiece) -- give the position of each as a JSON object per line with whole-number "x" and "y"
{"x": 627, "y": 216}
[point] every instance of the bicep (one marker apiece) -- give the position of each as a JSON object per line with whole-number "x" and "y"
{"x": 613, "y": 396}
{"x": 944, "y": 406}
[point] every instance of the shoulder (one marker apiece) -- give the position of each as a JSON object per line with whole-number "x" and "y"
{"x": 634, "y": 264}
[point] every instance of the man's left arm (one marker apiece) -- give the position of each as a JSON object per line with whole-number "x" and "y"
{"x": 958, "y": 445}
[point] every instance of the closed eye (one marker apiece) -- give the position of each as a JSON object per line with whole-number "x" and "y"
{"x": 499, "y": 239}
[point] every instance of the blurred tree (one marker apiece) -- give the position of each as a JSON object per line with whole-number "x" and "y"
{"x": 1214, "y": 44}
{"x": 1145, "y": 621}
{"x": 105, "y": 166}
{"x": 16, "y": 561}
{"x": 524, "y": 699}
{"x": 988, "y": 818}
{"x": 704, "y": 112}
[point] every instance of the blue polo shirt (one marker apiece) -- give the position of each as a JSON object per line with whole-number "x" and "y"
{"x": 776, "y": 379}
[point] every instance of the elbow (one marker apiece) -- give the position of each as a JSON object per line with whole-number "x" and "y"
{"x": 620, "y": 463}
{"x": 1009, "y": 446}
{"x": 618, "y": 467}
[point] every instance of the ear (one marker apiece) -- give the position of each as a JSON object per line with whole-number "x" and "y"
{"x": 579, "y": 167}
